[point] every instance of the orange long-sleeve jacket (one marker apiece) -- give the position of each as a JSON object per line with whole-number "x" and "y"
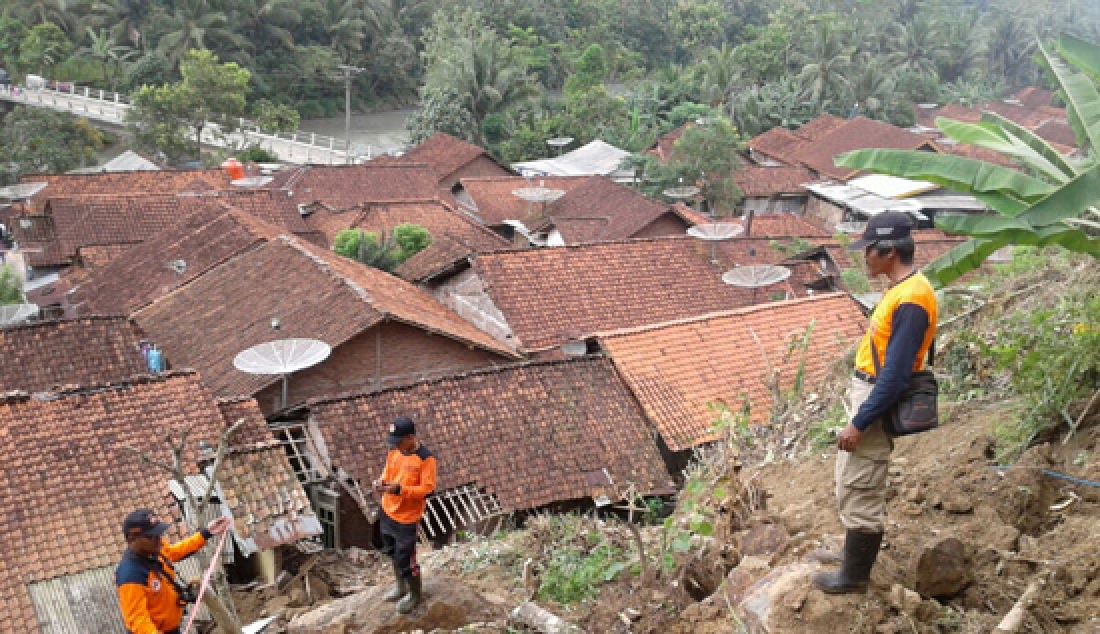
{"x": 415, "y": 475}
{"x": 149, "y": 602}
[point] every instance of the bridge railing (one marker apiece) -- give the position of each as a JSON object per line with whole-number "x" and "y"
{"x": 112, "y": 106}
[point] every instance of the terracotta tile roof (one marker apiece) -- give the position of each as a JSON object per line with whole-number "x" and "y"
{"x": 762, "y": 182}
{"x": 785, "y": 225}
{"x": 600, "y": 209}
{"x": 439, "y": 219}
{"x": 931, "y": 244}
{"x": 316, "y": 294}
{"x": 128, "y": 219}
{"x": 526, "y": 434}
{"x": 117, "y": 183}
{"x": 1034, "y": 97}
{"x": 857, "y": 133}
{"x": 1055, "y": 131}
{"x": 495, "y": 203}
{"x": 549, "y": 295}
{"x": 662, "y": 149}
{"x": 444, "y": 154}
{"x": 778, "y": 143}
{"x": 675, "y": 370}
{"x": 689, "y": 215}
{"x": 44, "y": 355}
{"x": 815, "y": 129}
{"x": 201, "y": 241}
{"x": 346, "y": 186}
{"x": 68, "y": 481}
{"x": 98, "y": 255}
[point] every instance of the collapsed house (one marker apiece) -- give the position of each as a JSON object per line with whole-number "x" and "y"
{"x": 507, "y": 440}
{"x": 76, "y": 461}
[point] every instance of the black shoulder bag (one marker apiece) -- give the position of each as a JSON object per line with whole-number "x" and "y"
{"x": 917, "y": 409}
{"x": 185, "y": 593}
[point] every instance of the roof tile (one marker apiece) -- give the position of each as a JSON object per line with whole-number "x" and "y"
{"x": 44, "y": 355}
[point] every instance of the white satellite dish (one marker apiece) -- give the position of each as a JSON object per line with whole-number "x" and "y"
{"x": 252, "y": 181}
{"x": 851, "y": 228}
{"x": 714, "y": 232}
{"x": 282, "y": 357}
{"x": 14, "y": 314}
{"x": 756, "y": 275}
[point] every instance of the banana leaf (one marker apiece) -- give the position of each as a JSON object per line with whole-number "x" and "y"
{"x": 1006, "y": 190}
{"x": 960, "y": 260}
{"x": 1033, "y": 141}
{"x": 1082, "y": 98}
{"x": 991, "y": 136}
{"x": 1084, "y": 55}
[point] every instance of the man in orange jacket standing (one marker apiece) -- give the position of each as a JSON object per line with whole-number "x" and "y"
{"x": 149, "y": 593}
{"x": 406, "y": 482}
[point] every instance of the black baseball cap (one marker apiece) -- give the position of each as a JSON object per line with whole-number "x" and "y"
{"x": 401, "y": 427}
{"x": 888, "y": 225}
{"x": 143, "y": 523}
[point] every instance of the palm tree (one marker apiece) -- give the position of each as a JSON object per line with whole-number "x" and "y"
{"x": 872, "y": 84}
{"x": 269, "y": 23}
{"x": 125, "y": 18}
{"x": 720, "y": 71}
{"x": 60, "y": 12}
{"x": 344, "y": 26}
{"x": 826, "y": 62}
{"x": 103, "y": 49}
{"x": 195, "y": 26}
{"x": 487, "y": 78}
{"x": 916, "y": 45}
{"x": 1010, "y": 48}
{"x": 963, "y": 46}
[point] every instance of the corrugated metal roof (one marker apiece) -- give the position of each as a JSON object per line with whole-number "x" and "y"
{"x": 87, "y": 602}
{"x": 892, "y": 186}
{"x": 596, "y": 158}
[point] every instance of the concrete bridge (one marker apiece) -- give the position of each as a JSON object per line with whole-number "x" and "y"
{"x": 110, "y": 108}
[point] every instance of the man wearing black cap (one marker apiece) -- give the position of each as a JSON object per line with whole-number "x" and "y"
{"x": 149, "y": 593}
{"x": 406, "y": 482}
{"x": 896, "y": 344}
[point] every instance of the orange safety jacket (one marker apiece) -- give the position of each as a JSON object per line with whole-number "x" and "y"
{"x": 415, "y": 474}
{"x": 149, "y": 602}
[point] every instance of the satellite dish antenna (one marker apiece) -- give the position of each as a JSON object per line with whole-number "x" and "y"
{"x": 756, "y": 276}
{"x": 282, "y": 357}
{"x": 541, "y": 194}
{"x": 851, "y": 228}
{"x": 559, "y": 142}
{"x": 178, "y": 266}
{"x": 715, "y": 232}
{"x": 14, "y": 314}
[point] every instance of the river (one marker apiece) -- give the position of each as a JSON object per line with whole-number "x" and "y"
{"x": 375, "y": 133}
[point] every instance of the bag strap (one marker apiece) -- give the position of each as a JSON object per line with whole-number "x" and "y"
{"x": 157, "y": 566}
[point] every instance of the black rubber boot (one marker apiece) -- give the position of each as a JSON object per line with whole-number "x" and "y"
{"x": 412, "y": 599}
{"x": 860, "y": 551}
{"x": 400, "y": 589}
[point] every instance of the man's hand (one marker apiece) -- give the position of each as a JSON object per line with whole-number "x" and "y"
{"x": 848, "y": 438}
{"x": 377, "y": 485}
{"x": 218, "y": 526}
{"x": 392, "y": 489}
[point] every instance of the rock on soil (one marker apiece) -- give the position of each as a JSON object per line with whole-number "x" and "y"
{"x": 941, "y": 568}
{"x": 448, "y": 604}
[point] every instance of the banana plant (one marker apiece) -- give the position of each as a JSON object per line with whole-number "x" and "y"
{"x": 1049, "y": 200}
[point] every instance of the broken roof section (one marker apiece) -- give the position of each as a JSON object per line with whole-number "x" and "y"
{"x": 596, "y": 158}
{"x": 678, "y": 369}
{"x": 529, "y": 435}
{"x": 314, "y": 293}
{"x": 45, "y": 355}
{"x": 69, "y": 480}
{"x": 548, "y": 296}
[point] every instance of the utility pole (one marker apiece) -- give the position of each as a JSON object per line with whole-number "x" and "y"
{"x": 349, "y": 73}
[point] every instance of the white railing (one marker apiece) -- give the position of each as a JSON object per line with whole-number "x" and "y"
{"x": 111, "y": 107}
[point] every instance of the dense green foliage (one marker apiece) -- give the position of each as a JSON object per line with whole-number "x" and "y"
{"x": 404, "y": 242}
{"x": 39, "y": 140}
{"x": 608, "y": 68}
{"x": 11, "y": 290}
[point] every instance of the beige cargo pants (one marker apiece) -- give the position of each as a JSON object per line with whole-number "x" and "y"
{"x": 861, "y": 474}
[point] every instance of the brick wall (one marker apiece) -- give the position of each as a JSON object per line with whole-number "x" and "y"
{"x": 667, "y": 225}
{"x": 777, "y": 205}
{"x": 407, "y": 352}
{"x": 481, "y": 167}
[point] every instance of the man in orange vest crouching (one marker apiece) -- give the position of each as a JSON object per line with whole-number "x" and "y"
{"x": 406, "y": 482}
